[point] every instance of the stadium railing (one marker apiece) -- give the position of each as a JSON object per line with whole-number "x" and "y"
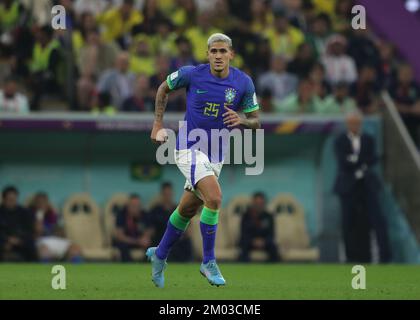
{"x": 405, "y": 177}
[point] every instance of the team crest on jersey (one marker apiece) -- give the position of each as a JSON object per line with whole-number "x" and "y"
{"x": 230, "y": 95}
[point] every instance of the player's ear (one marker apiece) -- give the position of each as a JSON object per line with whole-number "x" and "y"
{"x": 232, "y": 53}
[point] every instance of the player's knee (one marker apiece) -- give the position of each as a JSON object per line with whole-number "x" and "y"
{"x": 214, "y": 201}
{"x": 188, "y": 211}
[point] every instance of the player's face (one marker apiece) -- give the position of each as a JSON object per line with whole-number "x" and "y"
{"x": 219, "y": 55}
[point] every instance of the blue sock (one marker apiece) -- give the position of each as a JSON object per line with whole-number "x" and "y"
{"x": 171, "y": 235}
{"x": 45, "y": 260}
{"x": 208, "y": 233}
{"x": 76, "y": 259}
{"x": 177, "y": 224}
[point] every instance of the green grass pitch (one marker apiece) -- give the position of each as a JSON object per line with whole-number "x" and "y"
{"x": 183, "y": 281}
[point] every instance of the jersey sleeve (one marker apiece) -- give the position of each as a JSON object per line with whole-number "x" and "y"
{"x": 180, "y": 78}
{"x": 249, "y": 101}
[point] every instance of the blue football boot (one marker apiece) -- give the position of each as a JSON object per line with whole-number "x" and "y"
{"x": 158, "y": 266}
{"x": 211, "y": 271}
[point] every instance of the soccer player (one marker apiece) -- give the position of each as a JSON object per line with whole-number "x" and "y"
{"x": 215, "y": 93}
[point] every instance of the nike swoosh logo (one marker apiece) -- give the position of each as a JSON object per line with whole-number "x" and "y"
{"x": 201, "y": 91}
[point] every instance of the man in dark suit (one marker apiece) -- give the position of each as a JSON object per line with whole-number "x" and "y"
{"x": 257, "y": 230}
{"x": 17, "y": 234}
{"x": 358, "y": 188}
{"x": 132, "y": 228}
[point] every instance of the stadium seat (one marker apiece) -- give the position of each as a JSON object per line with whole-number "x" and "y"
{"x": 113, "y": 205}
{"x": 233, "y": 215}
{"x": 291, "y": 234}
{"x": 82, "y": 224}
{"x": 234, "y": 211}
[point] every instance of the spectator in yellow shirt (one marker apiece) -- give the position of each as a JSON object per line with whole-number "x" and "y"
{"x": 104, "y": 105}
{"x": 142, "y": 60}
{"x": 119, "y": 21}
{"x": 342, "y": 17}
{"x": 184, "y": 16}
{"x": 325, "y": 6}
{"x": 45, "y": 65}
{"x": 164, "y": 40}
{"x": 262, "y": 17}
{"x": 166, "y": 6}
{"x": 199, "y": 34}
{"x": 86, "y": 24}
{"x": 284, "y": 38}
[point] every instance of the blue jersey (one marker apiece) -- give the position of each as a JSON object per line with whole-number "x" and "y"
{"x": 207, "y": 95}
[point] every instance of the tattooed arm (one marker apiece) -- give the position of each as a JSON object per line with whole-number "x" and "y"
{"x": 233, "y": 119}
{"x": 160, "y": 106}
{"x": 252, "y": 120}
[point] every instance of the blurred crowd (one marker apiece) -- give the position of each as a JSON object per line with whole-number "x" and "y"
{"x": 303, "y": 55}
{"x": 36, "y": 231}
{"x": 32, "y": 232}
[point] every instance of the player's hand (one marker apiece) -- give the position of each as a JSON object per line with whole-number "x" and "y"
{"x": 158, "y": 134}
{"x": 231, "y": 118}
